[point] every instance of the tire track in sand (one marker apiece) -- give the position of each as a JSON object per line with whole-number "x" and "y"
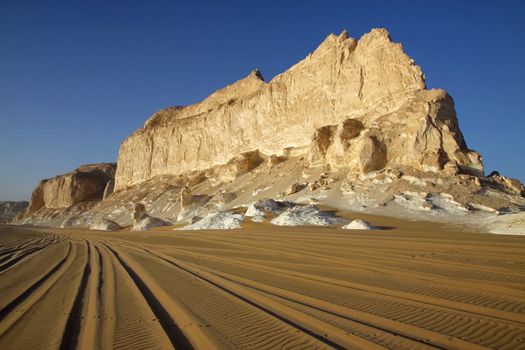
{"x": 237, "y": 283}
{"x": 324, "y": 332}
{"x": 263, "y": 328}
{"x": 35, "y": 292}
{"x": 158, "y": 304}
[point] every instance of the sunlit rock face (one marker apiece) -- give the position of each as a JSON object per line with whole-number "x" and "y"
{"x": 86, "y": 183}
{"x": 368, "y": 90}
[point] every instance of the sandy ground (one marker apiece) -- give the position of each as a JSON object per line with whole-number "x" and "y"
{"x": 417, "y": 286}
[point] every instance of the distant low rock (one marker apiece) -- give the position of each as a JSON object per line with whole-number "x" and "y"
{"x": 86, "y": 183}
{"x": 11, "y": 209}
{"x": 510, "y": 184}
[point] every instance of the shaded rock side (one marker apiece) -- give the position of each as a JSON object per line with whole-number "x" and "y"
{"x": 86, "y": 183}
{"x": 371, "y": 80}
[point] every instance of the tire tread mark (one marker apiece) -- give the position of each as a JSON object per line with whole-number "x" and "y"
{"x": 15, "y": 302}
{"x": 447, "y": 344}
{"x": 72, "y": 328}
{"x": 363, "y": 342}
{"x": 174, "y": 333}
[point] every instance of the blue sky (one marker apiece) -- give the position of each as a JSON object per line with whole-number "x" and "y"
{"x": 77, "y": 77}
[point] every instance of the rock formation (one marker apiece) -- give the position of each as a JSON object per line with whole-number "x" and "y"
{"x": 10, "y": 210}
{"x": 185, "y": 197}
{"x": 86, "y": 183}
{"x": 143, "y": 221}
{"x": 139, "y": 211}
{"x": 508, "y": 184}
{"x": 352, "y": 126}
{"x": 365, "y": 101}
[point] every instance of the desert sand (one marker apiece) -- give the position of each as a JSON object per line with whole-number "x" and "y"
{"x": 412, "y": 285}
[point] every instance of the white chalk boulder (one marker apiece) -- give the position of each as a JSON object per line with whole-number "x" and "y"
{"x": 217, "y": 221}
{"x": 359, "y": 225}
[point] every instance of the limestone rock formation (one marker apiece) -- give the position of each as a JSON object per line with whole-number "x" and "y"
{"x": 86, "y": 183}
{"x": 422, "y": 133}
{"x": 10, "y": 210}
{"x": 216, "y": 221}
{"x": 236, "y": 166}
{"x": 367, "y": 94}
{"x": 185, "y": 197}
{"x": 139, "y": 211}
{"x": 509, "y": 184}
{"x": 143, "y": 221}
{"x": 352, "y": 127}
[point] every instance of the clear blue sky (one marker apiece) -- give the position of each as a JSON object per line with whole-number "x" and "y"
{"x": 77, "y": 77}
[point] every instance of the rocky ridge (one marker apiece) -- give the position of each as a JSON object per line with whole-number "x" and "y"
{"x": 352, "y": 126}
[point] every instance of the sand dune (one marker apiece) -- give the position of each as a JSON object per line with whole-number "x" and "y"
{"x": 263, "y": 287}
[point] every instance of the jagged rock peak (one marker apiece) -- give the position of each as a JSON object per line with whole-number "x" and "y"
{"x": 256, "y": 73}
{"x": 375, "y": 35}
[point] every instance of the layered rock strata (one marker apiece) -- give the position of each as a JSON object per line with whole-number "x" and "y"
{"x": 86, "y": 183}
{"x": 363, "y": 102}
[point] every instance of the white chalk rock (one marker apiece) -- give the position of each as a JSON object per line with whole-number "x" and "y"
{"x": 308, "y": 215}
{"x": 217, "y": 221}
{"x": 104, "y": 225}
{"x": 359, "y": 225}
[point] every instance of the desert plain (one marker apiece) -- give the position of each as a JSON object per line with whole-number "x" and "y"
{"x": 411, "y": 285}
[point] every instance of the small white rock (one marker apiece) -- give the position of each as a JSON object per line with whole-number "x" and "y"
{"x": 359, "y": 225}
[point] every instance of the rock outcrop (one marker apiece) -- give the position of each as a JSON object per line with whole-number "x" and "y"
{"x": 364, "y": 100}
{"x": 352, "y": 127}
{"x": 86, "y": 183}
{"x": 10, "y": 210}
{"x": 508, "y": 184}
{"x": 421, "y": 133}
{"x": 143, "y": 221}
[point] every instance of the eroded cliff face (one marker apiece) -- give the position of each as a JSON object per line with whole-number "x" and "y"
{"x": 371, "y": 82}
{"x": 86, "y": 183}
